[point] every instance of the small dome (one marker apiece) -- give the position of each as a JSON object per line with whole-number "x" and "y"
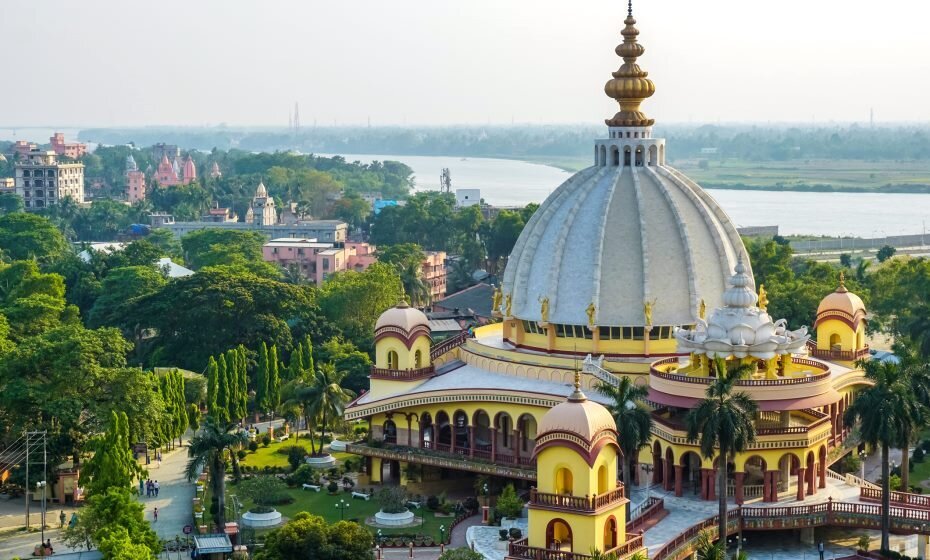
{"x": 841, "y": 300}
{"x": 578, "y": 416}
{"x": 403, "y": 317}
{"x": 261, "y": 191}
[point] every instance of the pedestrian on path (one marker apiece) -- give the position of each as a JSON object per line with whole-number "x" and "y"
{"x": 156, "y": 486}
{"x": 61, "y": 519}
{"x": 141, "y": 486}
{"x": 155, "y": 514}
{"x": 820, "y": 549}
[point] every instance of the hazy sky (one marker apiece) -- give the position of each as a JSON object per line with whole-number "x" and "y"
{"x": 196, "y": 62}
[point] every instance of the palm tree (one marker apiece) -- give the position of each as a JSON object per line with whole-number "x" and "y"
{"x": 888, "y": 413}
{"x": 414, "y": 285}
{"x": 707, "y": 549}
{"x": 723, "y": 422}
{"x": 634, "y": 421}
{"x": 331, "y": 399}
{"x": 917, "y": 375}
{"x": 298, "y": 396}
{"x": 208, "y": 449}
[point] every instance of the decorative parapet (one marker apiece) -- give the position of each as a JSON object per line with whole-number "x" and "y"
{"x": 583, "y": 504}
{"x": 447, "y": 345}
{"x": 402, "y": 374}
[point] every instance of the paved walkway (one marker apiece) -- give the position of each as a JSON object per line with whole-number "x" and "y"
{"x": 457, "y": 539}
{"x": 175, "y": 495}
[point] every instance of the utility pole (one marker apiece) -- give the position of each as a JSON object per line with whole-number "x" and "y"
{"x": 32, "y": 438}
{"x": 27, "y": 482}
{"x": 445, "y": 181}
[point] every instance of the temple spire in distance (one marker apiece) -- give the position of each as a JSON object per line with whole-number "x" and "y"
{"x": 630, "y": 85}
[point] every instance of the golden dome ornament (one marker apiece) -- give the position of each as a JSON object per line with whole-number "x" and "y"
{"x": 630, "y": 85}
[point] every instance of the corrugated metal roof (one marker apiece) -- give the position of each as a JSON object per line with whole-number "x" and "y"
{"x": 208, "y": 544}
{"x": 444, "y": 325}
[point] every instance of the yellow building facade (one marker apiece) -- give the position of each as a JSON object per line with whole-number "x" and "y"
{"x": 628, "y": 269}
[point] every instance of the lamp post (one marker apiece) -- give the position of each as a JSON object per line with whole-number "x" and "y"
{"x": 341, "y": 506}
{"x": 442, "y": 534}
{"x": 485, "y": 489}
{"x": 41, "y": 485}
{"x": 862, "y": 457}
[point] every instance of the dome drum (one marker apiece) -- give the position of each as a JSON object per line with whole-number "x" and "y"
{"x": 631, "y": 147}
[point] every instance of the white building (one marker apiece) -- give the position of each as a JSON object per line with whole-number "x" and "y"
{"x": 467, "y": 197}
{"x": 42, "y": 181}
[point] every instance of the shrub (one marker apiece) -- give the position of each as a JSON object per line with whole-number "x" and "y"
{"x": 266, "y": 440}
{"x": 265, "y": 491}
{"x": 392, "y": 499}
{"x": 471, "y": 503}
{"x": 851, "y": 464}
{"x": 503, "y": 533}
{"x": 516, "y": 534}
{"x": 864, "y": 542}
{"x": 347, "y": 482}
{"x": 432, "y": 503}
{"x": 305, "y": 475}
{"x": 918, "y": 455}
{"x": 348, "y": 465}
{"x": 241, "y": 454}
{"x": 295, "y": 456}
{"x": 332, "y": 487}
{"x": 253, "y": 446}
{"x": 925, "y": 445}
{"x": 509, "y": 504}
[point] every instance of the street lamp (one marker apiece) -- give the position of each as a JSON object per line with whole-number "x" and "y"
{"x": 442, "y": 534}
{"x": 862, "y": 457}
{"x": 341, "y": 506}
{"x": 485, "y": 488}
{"x": 42, "y": 486}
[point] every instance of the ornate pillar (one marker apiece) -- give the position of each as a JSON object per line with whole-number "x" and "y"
{"x": 453, "y": 431}
{"x": 833, "y": 423}
{"x": 766, "y": 486}
{"x": 712, "y": 484}
{"x": 801, "y": 472}
{"x": 636, "y": 468}
{"x": 773, "y": 486}
{"x": 705, "y": 485}
{"x": 656, "y": 468}
{"x": 667, "y": 473}
{"x": 517, "y": 444}
{"x": 409, "y": 428}
{"x": 493, "y": 444}
{"x": 738, "y": 494}
{"x": 678, "y": 474}
{"x": 471, "y": 441}
{"x": 811, "y": 476}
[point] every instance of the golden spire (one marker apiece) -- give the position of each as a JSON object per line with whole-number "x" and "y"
{"x": 630, "y": 86}
{"x": 842, "y": 287}
{"x": 577, "y": 395}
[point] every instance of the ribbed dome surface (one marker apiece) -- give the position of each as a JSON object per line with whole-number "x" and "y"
{"x": 844, "y": 301}
{"x": 619, "y": 237}
{"x": 585, "y": 418}
{"x": 403, "y": 317}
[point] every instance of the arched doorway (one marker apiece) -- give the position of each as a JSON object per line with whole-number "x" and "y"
{"x": 627, "y": 157}
{"x": 390, "y": 431}
{"x": 461, "y": 438}
{"x": 653, "y": 155}
{"x": 427, "y": 438}
{"x": 669, "y": 469}
{"x": 835, "y": 342}
{"x": 603, "y": 160}
{"x": 527, "y": 427}
{"x": 755, "y": 478}
{"x": 564, "y": 481}
{"x": 690, "y": 474}
{"x": 504, "y": 424}
{"x": 615, "y": 155}
{"x": 482, "y": 424}
{"x": 559, "y": 536}
{"x": 610, "y": 533}
{"x": 444, "y": 439}
{"x": 811, "y": 473}
{"x": 602, "y": 484}
{"x": 418, "y": 359}
{"x": 657, "y": 463}
{"x": 639, "y": 156}
{"x": 392, "y": 360}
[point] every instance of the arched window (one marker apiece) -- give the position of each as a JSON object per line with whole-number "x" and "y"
{"x": 417, "y": 359}
{"x": 602, "y": 480}
{"x": 610, "y": 533}
{"x": 392, "y": 360}
{"x": 835, "y": 341}
{"x": 563, "y": 481}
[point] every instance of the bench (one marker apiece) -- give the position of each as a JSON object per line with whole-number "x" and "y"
{"x": 361, "y": 496}
{"x": 314, "y": 487}
{"x": 284, "y": 437}
{"x": 412, "y": 504}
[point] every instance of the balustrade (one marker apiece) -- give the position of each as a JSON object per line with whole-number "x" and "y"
{"x": 402, "y": 374}
{"x": 576, "y": 503}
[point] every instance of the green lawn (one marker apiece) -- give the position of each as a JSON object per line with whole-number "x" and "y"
{"x": 324, "y": 505}
{"x": 269, "y": 457}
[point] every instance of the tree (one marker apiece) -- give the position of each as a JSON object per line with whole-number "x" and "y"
{"x": 112, "y": 465}
{"x": 463, "y": 553}
{"x": 274, "y": 380}
{"x": 212, "y": 384}
{"x": 310, "y": 536}
{"x": 707, "y": 549}
{"x": 300, "y": 395}
{"x": 355, "y": 300}
{"x": 118, "y": 290}
{"x": 263, "y": 491}
{"x": 723, "y": 424}
{"x": 308, "y": 354}
{"x": 229, "y": 249}
{"x": 346, "y": 357}
{"x": 508, "y": 503}
{"x": 845, "y": 260}
{"x": 296, "y": 367}
{"x": 261, "y": 379}
{"x": 331, "y": 397}
{"x": 116, "y": 544}
{"x": 209, "y": 449}
{"x": 10, "y": 203}
{"x": 242, "y": 364}
{"x": 221, "y": 412}
{"x": 232, "y": 376}
{"x": 105, "y": 516}
{"x": 885, "y": 253}
{"x": 633, "y": 418}
{"x": 26, "y": 236}
{"x": 886, "y": 414}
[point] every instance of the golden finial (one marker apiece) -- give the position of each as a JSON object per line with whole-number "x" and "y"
{"x": 630, "y": 86}
{"x": 544, "y": 309}
{"x": 702, "y": 309}
{"x": 842, "y": 287}
{"x": 763, "y": 298}
{"x": 591, "y": 311}
{"x": 577, "y": 395}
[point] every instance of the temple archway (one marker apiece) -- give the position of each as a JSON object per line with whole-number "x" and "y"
{"x": 559, "y": 536}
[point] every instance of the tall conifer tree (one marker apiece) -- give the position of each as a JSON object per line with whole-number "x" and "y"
{"x": 221, "y": 413}
{"x": 242, "y": 367}
{"x": 261, "y": 379}
{"x": 232, "y": 376}
{"x": 274, "y": 380}
{"x": 308, "y": 355}
{"x": 211, "y": 385}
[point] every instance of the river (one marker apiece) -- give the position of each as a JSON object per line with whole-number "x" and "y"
{"x": 516, "y": 183}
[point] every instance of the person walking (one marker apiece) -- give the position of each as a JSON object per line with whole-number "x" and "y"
{"x": 156, "y": 486}
{"x": 820, "y": 549}
{"x": 155, "y": 514}
{"x": 61, "y": 519}
{"x": 141, "y": 486}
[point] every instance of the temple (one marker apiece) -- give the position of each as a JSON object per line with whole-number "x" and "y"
{"x": 628, "y": 269}
{"x": 172, "y": 173}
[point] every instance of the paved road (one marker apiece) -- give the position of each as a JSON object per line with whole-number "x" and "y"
{"x": 175, "y": 495}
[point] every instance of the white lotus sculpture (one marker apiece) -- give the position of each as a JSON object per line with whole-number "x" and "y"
{"x": 740, "y": 329}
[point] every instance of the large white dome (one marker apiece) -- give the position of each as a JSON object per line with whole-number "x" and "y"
{"x": 619, "y": 236}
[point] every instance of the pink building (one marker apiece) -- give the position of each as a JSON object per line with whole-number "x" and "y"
{"x": 23, "y": 148}
{"x": 434, "y": 274}
{"x": 135, "y": 181}
{"x": 317, "y": 261}
{"x": 170, "y": 173}
{"x": 73, "y": 150}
